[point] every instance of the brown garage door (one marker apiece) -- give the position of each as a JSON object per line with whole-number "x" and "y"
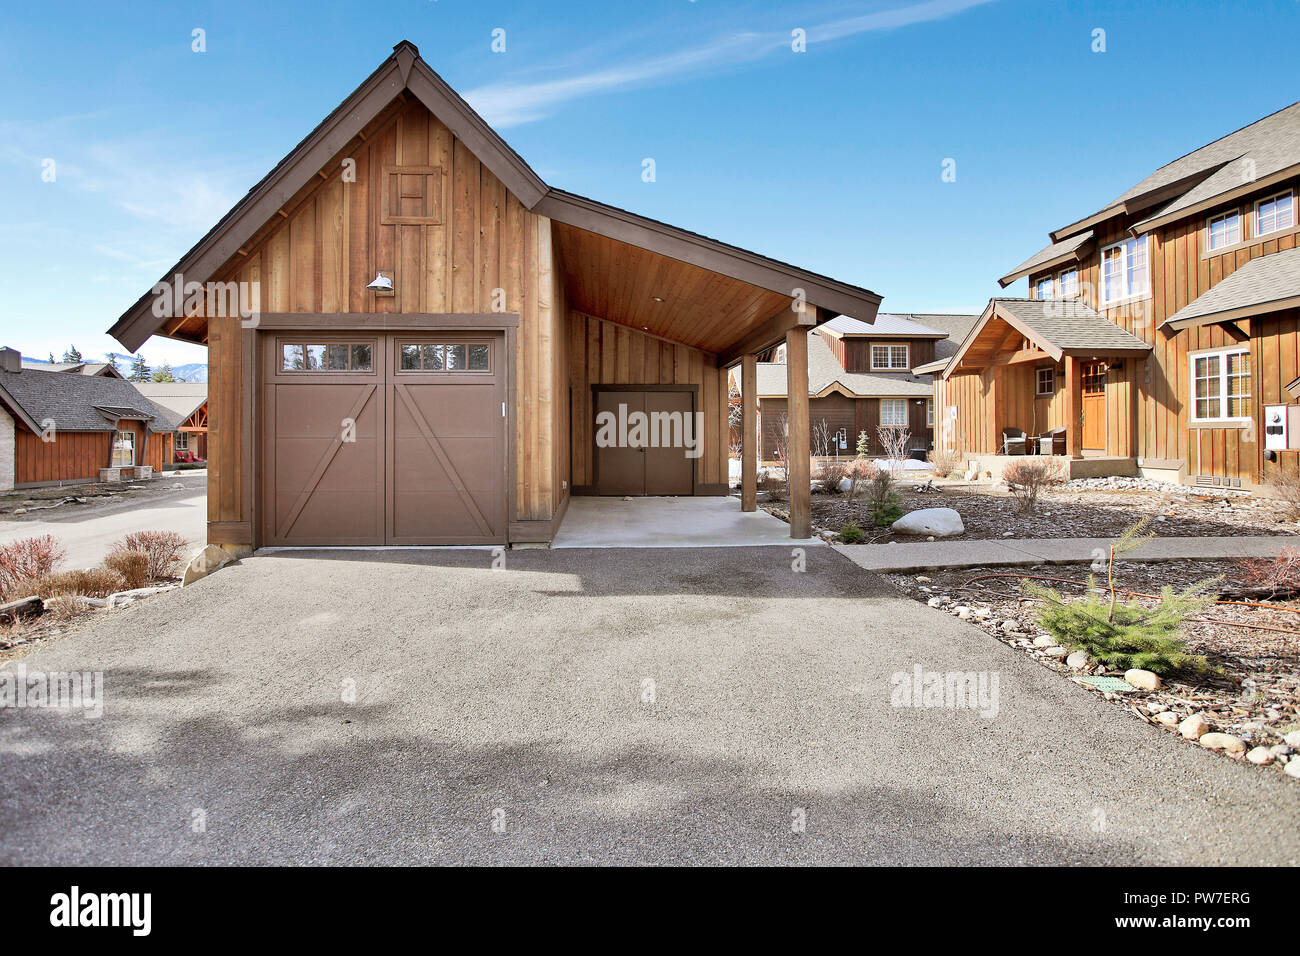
{"x": 384, "y": 439}
{"x": 645, "y": 467}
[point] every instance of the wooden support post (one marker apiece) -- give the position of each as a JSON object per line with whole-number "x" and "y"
{"x": 1073, "y": 408}
{"x": 798, "y": 442}
{"x": 749, "y": 433}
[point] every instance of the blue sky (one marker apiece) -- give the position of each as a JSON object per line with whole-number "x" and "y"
{"x": 830, "y": 159}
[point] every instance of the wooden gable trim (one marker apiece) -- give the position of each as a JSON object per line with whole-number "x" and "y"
{"x": 1049, "y": 350}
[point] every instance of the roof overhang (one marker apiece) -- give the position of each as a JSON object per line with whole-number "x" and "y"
{"x": 11, "y": 403}
{"x": 1072, "y": 256}
{"x": 1136, "y": 204}
{"x": 1231, "y": 315}
{"x": 1218, "y": 199}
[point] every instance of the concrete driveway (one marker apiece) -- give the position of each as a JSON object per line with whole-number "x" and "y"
{"x": 88, "y": 530}
{"x": 615, "y": 706}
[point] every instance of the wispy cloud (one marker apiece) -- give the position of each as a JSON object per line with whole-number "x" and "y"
{"x": 514, "y": 103}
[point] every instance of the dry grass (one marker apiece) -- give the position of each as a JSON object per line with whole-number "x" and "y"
{"x": 830, "y": 474}
{"x": 1026, "y": 480}
{"x": 131, "y": 566}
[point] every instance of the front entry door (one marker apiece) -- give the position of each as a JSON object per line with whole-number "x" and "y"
{"x": 653, "y": 461}
{"x": 1093, "y": 379}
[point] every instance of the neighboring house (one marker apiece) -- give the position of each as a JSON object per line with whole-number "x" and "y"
{"x": 441, "y": 336}
{"x": 860, "y": 378}
{"x": 188, "y": 404}
{"x": 79, "y": 368}
{"x": 58, "y": 427}
{"x": 1157, "y": 327}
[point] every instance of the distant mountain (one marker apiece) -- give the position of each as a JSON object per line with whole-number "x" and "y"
{"x": 194, "y": 372}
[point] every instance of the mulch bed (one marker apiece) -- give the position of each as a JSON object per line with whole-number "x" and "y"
{"x": 1066, "y": 513}
{"x": 1255, "y": 697}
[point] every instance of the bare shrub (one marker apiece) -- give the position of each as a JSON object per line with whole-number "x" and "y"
{"x": 1286, "y": 487}
{"x": 859, "y": 471}
{"x": 945, "y": 462}
{"x": 133, "y": 566}
{"x": 1027, "y": 479}
{"x": 821, "y": 440}
{"x": 895, "y": 442}
{"x": 91, "y": 582}
{"x": 162, "y": 549}
{"x": 1279, "y": 575}
{"x": 65, "y": 607}
{"x": 830, "y": 474}
{"x": 773, "y": 485}
{"x": 26, "y": 559}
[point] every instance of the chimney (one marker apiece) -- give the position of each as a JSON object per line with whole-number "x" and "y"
{"x": 11, "y": 360}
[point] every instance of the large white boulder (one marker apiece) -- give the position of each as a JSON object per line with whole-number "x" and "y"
{"x": 940, "y": 522}
{"x": 203, "y": 562}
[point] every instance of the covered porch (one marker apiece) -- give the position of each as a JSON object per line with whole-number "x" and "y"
{"x": 1038, "y": 377}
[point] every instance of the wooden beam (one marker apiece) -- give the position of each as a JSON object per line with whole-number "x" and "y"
{"x": 1023, "y": 355}
{"x": 749, "y": 433}
{"x": 1073, "y": 408}
{"x": 798, "y": 443}
{"x": 771, "y": 333}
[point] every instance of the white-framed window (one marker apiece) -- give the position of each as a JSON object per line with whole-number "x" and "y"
{"x": 1069, "y": 283}
{"x": 123, "y": 449}
{"x": 1274, "y": 213}
{"x": 1125, "y": 270}
{"x": 1225, "y": 229}
{"x": 890, "y": 357}
{"x": 1046, "y": 381}
{"x": 1043, "y": 288}
{"x": 929, "y": 413}
{"x": 181, "y": 441}
{"x": 1220, "y": 385}
{"x": 893, "y": 413}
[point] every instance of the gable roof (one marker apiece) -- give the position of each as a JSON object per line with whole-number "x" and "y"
{"x": 957, "y": 327}
{"x": 886, "y": 325}
{"x": 1057, "y": 326}
{"x": 1264, "y": 284}
{"x": 182, "y": 399}
{"x": 1243, "y": 161}
{"x": 825, "y": 373}
{"x": 403, "y": 71}
{"x": 1060, "y": 253}
{"x": 78, "y": 403}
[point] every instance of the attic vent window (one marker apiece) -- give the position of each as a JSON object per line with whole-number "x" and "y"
{"x": 411, "y": 195}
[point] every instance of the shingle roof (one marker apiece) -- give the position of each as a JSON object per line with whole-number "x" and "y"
{"x": 1255, "y": 287}
{"x": 74, "y": 402}
{"x": 1043, "y": 256}
{"x": 957, "y": 327}
{"x": 1068, "y": 325}
{"x": 887, "y": 324}
{"x": 824, "y": 370}
{"x": 183, "y": 399}
{"x": 1270, "y": 144}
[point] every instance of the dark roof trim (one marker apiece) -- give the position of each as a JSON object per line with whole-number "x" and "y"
{"x": 1231, "y": 315}
{"x": 690, "y": 247}
{"x": 1075, "y": 255}
{"x": 405, "y": 70}
{"x": 7, "y": 399}
{"x": 1218, "y": 199}
{"x": 1137, "y": 203}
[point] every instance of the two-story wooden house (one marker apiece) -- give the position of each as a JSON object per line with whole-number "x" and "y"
{"x": 1156, "y": 329}
{"x": 861, "y": 377}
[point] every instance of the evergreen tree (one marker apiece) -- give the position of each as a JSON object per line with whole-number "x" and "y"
{"x": 72, "y": 356}
{"x": 163, "y": 373}
{"x": 111, "y": 359}
{"x": 140, "y": 372}
{"x": 51, "y": 358}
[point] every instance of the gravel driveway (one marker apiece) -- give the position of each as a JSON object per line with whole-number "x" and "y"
{"x": 591, "y": 706}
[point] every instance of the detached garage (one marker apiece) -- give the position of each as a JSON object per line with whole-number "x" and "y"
{"x": 412, "y": 338}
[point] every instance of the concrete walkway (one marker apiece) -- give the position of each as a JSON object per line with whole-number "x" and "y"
{"x": 707, "y": 522}
{"x": 936, "y": 555}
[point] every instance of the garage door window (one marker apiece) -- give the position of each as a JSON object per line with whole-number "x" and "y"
{"x": 446, "y": 357}
{"x": 328, "y": 357}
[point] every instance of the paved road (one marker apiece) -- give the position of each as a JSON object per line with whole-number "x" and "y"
{"x": 89, "y": 530}
{"x": 647, "y": 706}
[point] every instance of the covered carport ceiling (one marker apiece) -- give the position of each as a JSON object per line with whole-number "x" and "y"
{"x": 655, "y": 293}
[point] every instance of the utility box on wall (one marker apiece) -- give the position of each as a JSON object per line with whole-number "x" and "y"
{"x": 1282, "y": 427}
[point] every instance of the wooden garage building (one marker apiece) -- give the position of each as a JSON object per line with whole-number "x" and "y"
{"x": 435, "y": 331}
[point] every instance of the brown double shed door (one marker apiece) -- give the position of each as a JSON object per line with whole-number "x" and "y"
{"x": 624, "y": 470}
{"x": 384, "y": 439}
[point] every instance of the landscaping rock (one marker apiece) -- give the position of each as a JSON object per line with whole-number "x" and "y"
{"x": 1292, "y": 768}
{"x": 1261, "y": 756}
{"x": 1078, "y": 660}
{"x": 1058, "y": 652}
{"x": 1194, "y": 727}
{"x": 1143, "y": 680}
{"x": 1224, "y": 742}
{"x": 1292, "y": 740}
{"x": 940, "y": 522}
{"x": 124, "y": 598}
{"x": 203, "y": 562}
{"x": 1043, "y": 640}
{"x": 1167, "y": 717}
